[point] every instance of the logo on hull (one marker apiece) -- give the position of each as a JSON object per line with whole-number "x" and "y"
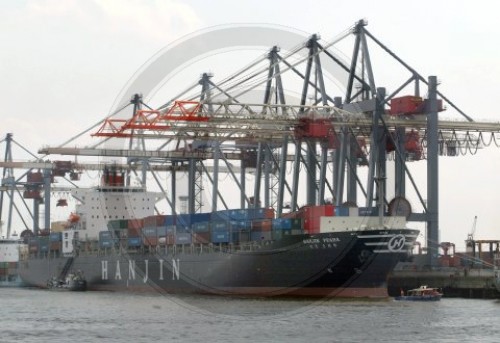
{"x": 396, "y": 243}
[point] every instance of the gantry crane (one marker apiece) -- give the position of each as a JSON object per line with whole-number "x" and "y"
{"x": 363, "y": 127}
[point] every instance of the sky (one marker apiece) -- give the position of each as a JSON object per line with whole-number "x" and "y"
{"x": 63, "y": 65}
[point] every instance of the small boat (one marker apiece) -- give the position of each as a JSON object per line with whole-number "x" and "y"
{"x": 72, "y": 282}
{"x": 423, "y": 293}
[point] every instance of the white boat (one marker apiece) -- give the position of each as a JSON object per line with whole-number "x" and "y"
{"x": 422, "y": 293}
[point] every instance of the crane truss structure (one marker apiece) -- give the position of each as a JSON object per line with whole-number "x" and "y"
{"x": 324, "y": 138}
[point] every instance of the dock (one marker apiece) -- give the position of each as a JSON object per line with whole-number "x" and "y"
{"x": 464, "y": 282}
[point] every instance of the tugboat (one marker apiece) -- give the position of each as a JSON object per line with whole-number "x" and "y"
{"x": 68, "y": 281}
{"x": 72, "y": 282}
{"x": 423, "y": 293}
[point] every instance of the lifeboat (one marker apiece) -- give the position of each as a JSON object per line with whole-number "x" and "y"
{"x": 73, "y": 218}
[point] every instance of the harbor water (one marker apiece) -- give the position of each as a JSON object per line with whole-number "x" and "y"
{"x": 32, "y": 315}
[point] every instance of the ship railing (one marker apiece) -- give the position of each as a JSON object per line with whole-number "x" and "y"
{"x": 166, "y": 249}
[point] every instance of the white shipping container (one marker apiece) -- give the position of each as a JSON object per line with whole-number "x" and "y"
{"x": 340, "y": 224}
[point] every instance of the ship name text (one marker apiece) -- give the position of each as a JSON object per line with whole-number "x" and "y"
{"x": 127, "y": 270}
{"x": 321, "y": 240}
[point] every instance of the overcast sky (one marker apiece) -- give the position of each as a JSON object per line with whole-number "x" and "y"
{"x": 63, "y": 64}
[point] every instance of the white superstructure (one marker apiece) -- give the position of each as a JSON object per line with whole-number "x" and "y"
{"x": 99, "y": 205}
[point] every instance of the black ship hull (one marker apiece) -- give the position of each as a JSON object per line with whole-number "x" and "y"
{"x": 343, "y": 264}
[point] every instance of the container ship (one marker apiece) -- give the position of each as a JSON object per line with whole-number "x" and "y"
{"x": 115, "y": 240}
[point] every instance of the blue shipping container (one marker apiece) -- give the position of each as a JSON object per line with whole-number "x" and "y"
{"x": 149, "y": 231}
{"x": 220, "y": 216}
{"x": 104, "y": 234}
{"x": 183, "y": 220}
{"x": 342, "y": 211}
{"x": 200, "y": 218}
{"x": 162, "y": 231}
{"x": 134, "y": 241}
{"x": 240, "y": 225}
{"x": 201, "y": 227}
{"x": 220, "y": 226}
{"x": 255, "y": 213}
{"x": 220, "y": 237}
{"x": 108, "y": 242}
{"x": 282, "y": 224}
{"x": 55, "y": 236}
{"x": 183, "y": 238}
{"x": 169, "y": 220}
{"x": 368, "y": 211}
{"x": 182, "y": 229}
{"x": 105, "y": 243}
{"x": 43, "y": 239}
{"x": 238, "y": 215}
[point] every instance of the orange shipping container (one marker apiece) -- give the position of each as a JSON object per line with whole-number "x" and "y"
{"x": 269, "y": 213}
{"x": 135, "y": 223}
{"x": 262, "y": 225}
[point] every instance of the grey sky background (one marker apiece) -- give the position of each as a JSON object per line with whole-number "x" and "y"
{"x": 63, "y": 64}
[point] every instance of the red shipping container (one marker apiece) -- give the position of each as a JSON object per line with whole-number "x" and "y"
{"x": 444, "y": 261}
{"x": 134, "y": 232}
{"x": 31, "y": 194}
{"x": 34, "y": 177}
{"x": 455, "y": 261}
{"x": 135, "y": 223}
{"x": 313, "y": 128}
{"x": 291, "y": 215}
{"x": 317, "y": 130}
{"x": 407, "y": 105}
{"x": 319, "y": 211}
{"x": 170, "y": 239}
{"x": 201, "y": 238}
{"x": 311, "y": 225}
{"x": 150, "y": 241}
{"x": 151, "y": 221}
{"x": 333, "y": 141}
